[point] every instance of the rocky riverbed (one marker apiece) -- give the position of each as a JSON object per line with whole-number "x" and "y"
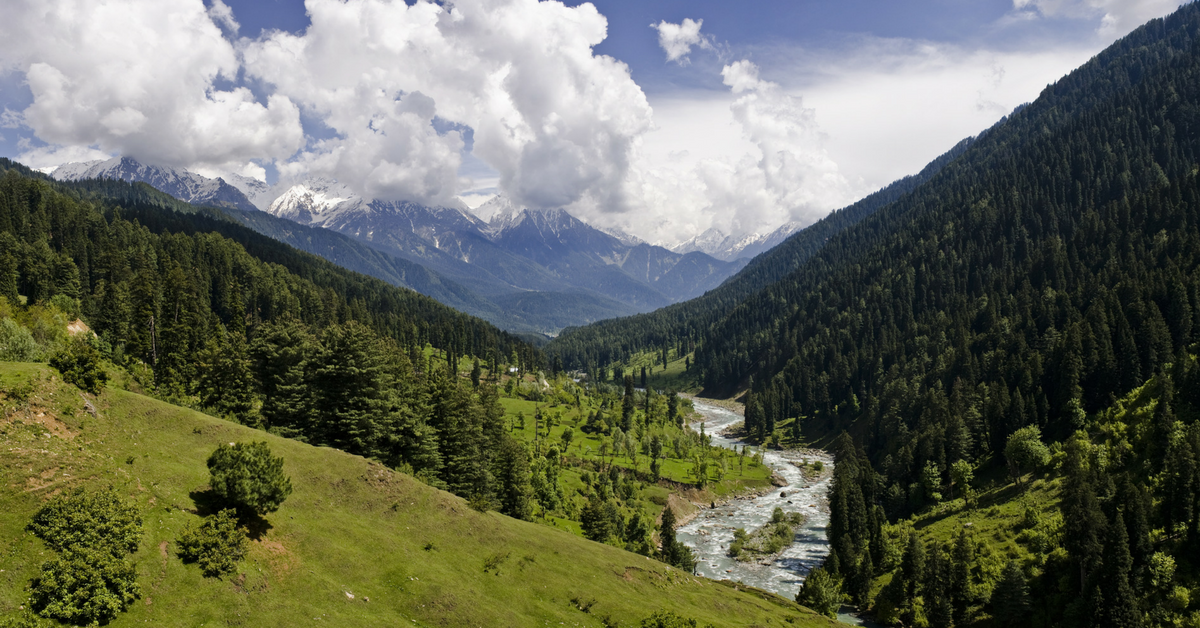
{"x": 801, "y": 490}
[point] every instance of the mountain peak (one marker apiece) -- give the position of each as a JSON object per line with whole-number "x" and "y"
{"x": 182, "y": 184}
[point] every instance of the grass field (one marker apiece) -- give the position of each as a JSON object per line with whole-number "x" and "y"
{"x": 355, "y": 545}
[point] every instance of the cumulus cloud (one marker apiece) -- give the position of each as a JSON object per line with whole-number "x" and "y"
{"x": 138, "y": 78}
{"x": 557, "y": 121}
{"x": 677, "y": 39}
{"x": 1116, "y": 17}
{"x": 223, "y": 16}
{"x": 760, "y": 161}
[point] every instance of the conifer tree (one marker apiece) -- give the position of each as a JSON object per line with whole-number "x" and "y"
{"x": 1010, "y": 598}
{"x": 1120, "y": 603}
{"x": 627, "y": 405}
{"x": 513, "y": 479}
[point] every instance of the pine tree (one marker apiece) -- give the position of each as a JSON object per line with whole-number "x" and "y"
{"x": 594, "y": 521}
{"x": 348, "y": 385}
{"x": 627, "y": 405}
{"x": 513, "y": 479}
{"x": 281, "y": 354}
{"x": 912, "y": 566}
{"x": 1010, "y": 598}
{"x": 1120, "y": 603}
{"x": 1083, "y": 521}
{"x": 960, "y": 577}
{"x": 225, "y": 381}
{"x": 938, "y": 596}
{"x": 8, "y": 269}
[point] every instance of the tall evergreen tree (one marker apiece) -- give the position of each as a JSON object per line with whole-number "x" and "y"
{"x": 1010, "y": 598}
{"x": 513, "y": 479}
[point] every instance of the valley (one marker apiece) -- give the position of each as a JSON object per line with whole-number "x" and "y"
{"x": 427, "y": 325}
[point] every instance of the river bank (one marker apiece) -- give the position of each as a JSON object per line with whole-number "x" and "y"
{"x": 710, "y": 530}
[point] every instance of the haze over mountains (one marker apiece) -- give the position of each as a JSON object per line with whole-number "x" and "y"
{"x": 524, "y": 270}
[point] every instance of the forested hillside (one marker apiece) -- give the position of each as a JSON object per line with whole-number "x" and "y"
{"x": 1035, "y": 281}
{"x": 250, "y": 328}
{"x": 1055, "y": 260}
{"x": 682, "y": 325}
{"x": 129, "y": 253}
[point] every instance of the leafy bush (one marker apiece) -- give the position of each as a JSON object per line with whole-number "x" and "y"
{"x": 84, "y": 586}
{"x": 667, "y": 619}
{"x": 25, "y": 620}
{"x": 821, "y": 593}
{"x": 89, "y": 521}
{"x": 247, "y": 477}
{"x": 772, "y": 538}
{"x": 79, "y": 363}
{"x": 16, "y": 343}
{"x": 217, "y": 544}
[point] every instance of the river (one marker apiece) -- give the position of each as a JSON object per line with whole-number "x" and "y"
{"x": 710, "y": 533}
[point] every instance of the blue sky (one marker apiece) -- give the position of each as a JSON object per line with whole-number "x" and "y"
{"x": 779, "y": 110}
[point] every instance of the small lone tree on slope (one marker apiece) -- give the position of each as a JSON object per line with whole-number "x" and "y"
{"x": 247, "y": 477}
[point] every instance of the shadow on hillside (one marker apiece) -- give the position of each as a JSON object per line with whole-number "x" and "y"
{"x": 209, "y": 503}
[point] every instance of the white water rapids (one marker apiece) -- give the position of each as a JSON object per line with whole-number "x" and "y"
{"x": 711, "y": 532}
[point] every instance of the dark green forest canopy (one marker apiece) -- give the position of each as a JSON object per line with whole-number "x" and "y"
{"x": 684, "y": 324}
{"x": 130, "y": 253}
{"x": 1054, "y": 261}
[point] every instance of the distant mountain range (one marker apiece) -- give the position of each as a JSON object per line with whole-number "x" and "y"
{"x": 524, "y": 270}
{"x": 716, "y": 244}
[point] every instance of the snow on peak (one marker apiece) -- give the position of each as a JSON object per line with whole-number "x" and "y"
{"x": 304, "y": 202}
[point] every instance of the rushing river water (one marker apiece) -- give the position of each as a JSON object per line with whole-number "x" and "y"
{"x": 710, "y": 533}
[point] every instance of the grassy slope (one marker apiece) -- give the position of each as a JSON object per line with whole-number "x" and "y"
{"x": 351, "y": 526}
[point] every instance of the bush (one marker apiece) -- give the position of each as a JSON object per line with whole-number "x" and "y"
{"x": 667, "y": 619}
{"x": 89, "y": 521}
{"x": 84, "y": 586}
{"x": 25, "y": 620}
{"x": 247, "y": 477}
{"x": 16, "y": 343}
{"x": 821, "y": 593}
{"x": 217, "y": 544}
{"x": 79, "y": 363}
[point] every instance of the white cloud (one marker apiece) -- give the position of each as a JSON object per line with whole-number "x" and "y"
{"x": 223, "y": 16}
{"x": 677, "y": 39}
{"x": 752, "y": 160}
{"x": 1116, "y": 17}
{"x": 50, "y": 156}
{"x": 551, "y": 123}
{"x": 137, "y": 78}
{"x": 556, "y": 121}
{"x": 10, "y": 119}
{"x": 889, "y": 106}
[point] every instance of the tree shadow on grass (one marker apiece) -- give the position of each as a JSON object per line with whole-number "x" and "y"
{"x": 209, "y": 503}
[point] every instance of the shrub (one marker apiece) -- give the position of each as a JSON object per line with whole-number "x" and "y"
{"x": 16, "y": 343}
{"x": 821, "y": 593}
{"x": 216, "y": 545}
{"x": 25, "y": 620}
{"x": 84, "y": 586}
{"x": 79, "y": 363}
{"x": 667, "y": 619}
{"x": 247, "y": 477}
{"x": 89, "y": 521}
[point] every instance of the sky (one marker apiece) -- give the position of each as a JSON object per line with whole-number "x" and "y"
{"x": 661, "y": 118}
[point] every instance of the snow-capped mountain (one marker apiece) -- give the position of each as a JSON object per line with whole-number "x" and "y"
{"x": 312, "y": 201}
{"x": 545, "y": 267}
{"x": 259, "y": 192}
{"x": 183, "y": 185}
{"x": 625, "y": 238}
{"x": 723, "y": 247}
